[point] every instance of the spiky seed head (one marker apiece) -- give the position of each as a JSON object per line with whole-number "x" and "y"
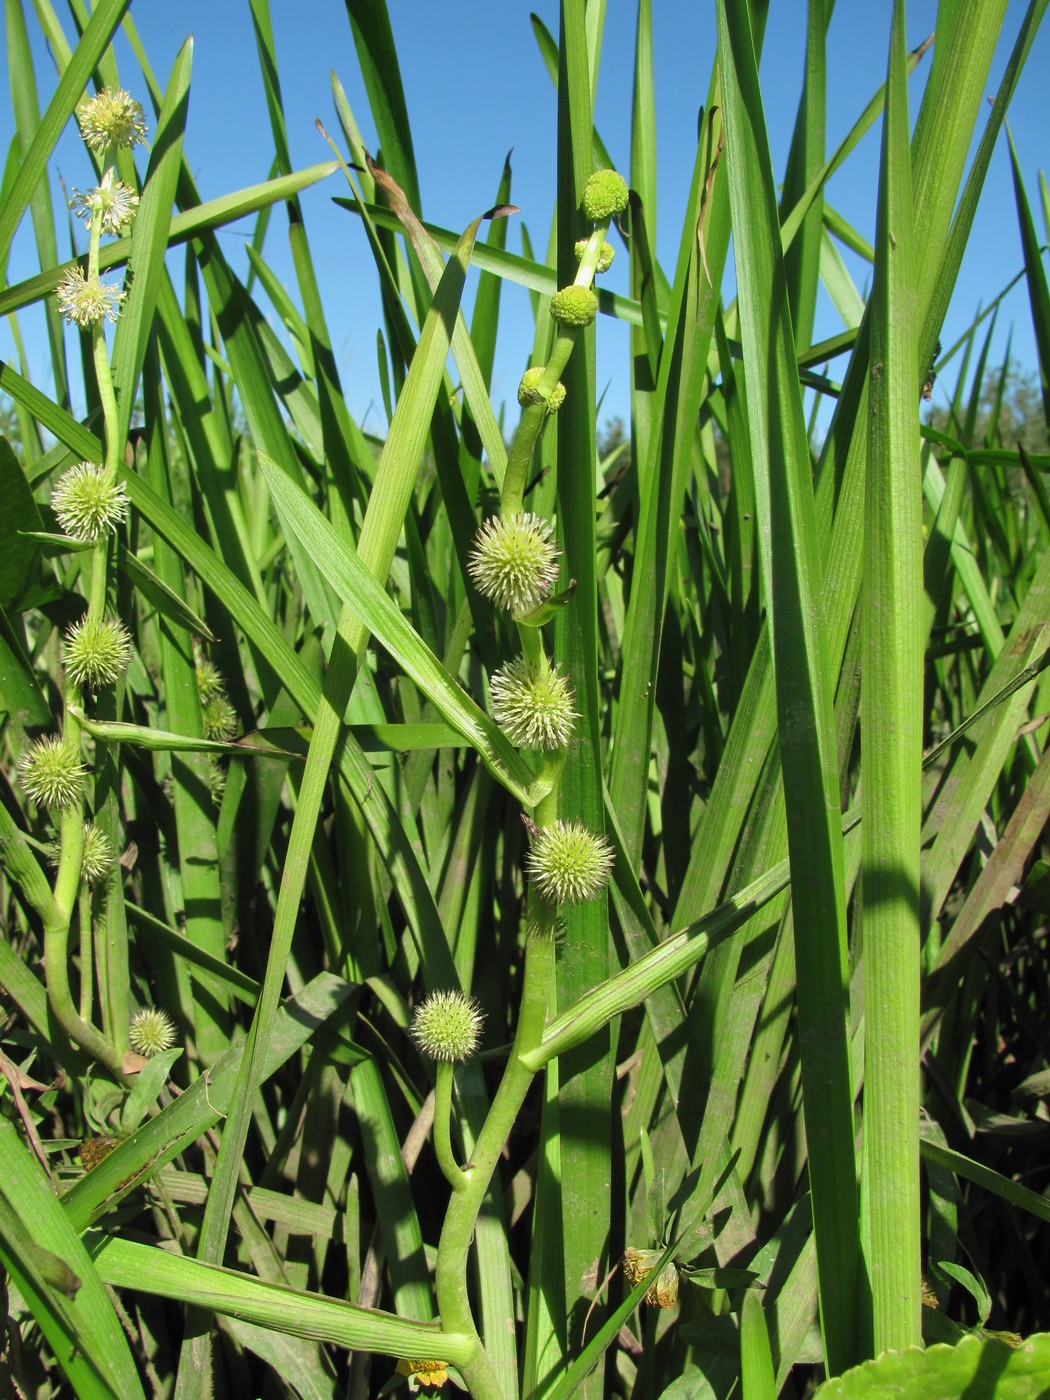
{"x": 638, "y": 1264}
{"x": 569, "y": 863}
{"x": 98, "y": 859}
{"x": 514, "y": 562}
{"x": 574, "y": 306}
{"x": 219, "y": 718}
{"x": 529, "y": 390}
{"x": 112, "y": 198}
{"x": 209, "y": 680}
{"x": 447, "y": 1026}
{"x": 89, "y": 502}
{"x": 85, "y": 301}
{"x": 97, "y": 651}
{"x": 605, "y": 254}
{"x": 604, "y": 195}
{"x": 533, "y": 707}
{"x": 215, "y": 779}
{"x": 111, "y": 118}
{"x": 151, "y": 1032}
{"x": 424, "y": 1373}
{"x": 52, "y": 773}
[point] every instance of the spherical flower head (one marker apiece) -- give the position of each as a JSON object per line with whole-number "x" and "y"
{"x": 574, "y": 306}
{"x": 532, "y": 707}
{"x": 604, "y": 195}
{"x": 606, "y": 253}
{"x": 638, "y": 1264}
{"x": 424, "y": 1373}
{"x": 151, "y": 1032}
{"x": 514, "y": 561}
{"x": 209, "y": 680}
{"x": 219, "y": 718}
{"x": 85, "y": 301}
{"x": 215, "y": 780}
{"x": 52, "y": 773}
{"x": 569, "y": 863}
{"x": 111, "y": 118}
{"x": 98, "y": 859}
{"x": 447, "y": 1026}
{"x": 529, "y": 390}
{"x": 97, "y": 651}
{"x": 113, "y": 199}
{"x": 89, "y": 502}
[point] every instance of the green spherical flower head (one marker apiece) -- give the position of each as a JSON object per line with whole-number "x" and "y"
{"x": 533, "y": 708}
{"x": 514, "y": 562}
{"x": 98, "y": 859}
{"x": 605, "y": 254}
{"x": 151, "y": 1032}
{"x": 89, "y": 502}
{"x": 52, "y": 773}
{"x": 574, "y": 306}
{"x": 219, "y": 718}
{"x": 85, "y": 301}
{"x": 569, "y": 863}
{"x": 604, "y": 195}
{"x": 209, "y": 680}
{"x": 447, "y": 1026}
{"x": 97, "y": 651}
{"x": 529, "y": 391}
{"x": 112, "y": 118}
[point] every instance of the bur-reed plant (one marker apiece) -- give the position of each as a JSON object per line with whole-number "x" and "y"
{"x": 542, "y": 916}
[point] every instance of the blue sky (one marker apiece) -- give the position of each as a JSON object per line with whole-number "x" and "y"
{"x": 476, "y": 89}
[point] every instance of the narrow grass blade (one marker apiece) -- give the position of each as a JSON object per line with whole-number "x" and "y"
{"x": 891, "y": 685}
{"x": 76, "y": 1315}
{"x": 803, "y": 682}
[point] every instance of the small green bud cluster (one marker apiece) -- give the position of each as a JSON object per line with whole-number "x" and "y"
{"x": 529, "y": 390}
{"x": 574, "y": 306}
{"x": 604, "y": 195}
{"x": 605, "y": 255}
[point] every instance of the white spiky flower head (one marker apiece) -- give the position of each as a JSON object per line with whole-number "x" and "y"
{"x": 514, "y": 561}
{"x": 89, "y": 502}
{"x": 52, "y": 773}
{"x": 112, "y": 198}
{"x": 87, "y": 301}
{"x": 447, "y": 1026}
{"x": 111, "y": 118}
{"x": 569, "y": 863}
{"x": 533, "y": 707}
{"x": 151, "y": 1032}
{"x": 97, "y": 651}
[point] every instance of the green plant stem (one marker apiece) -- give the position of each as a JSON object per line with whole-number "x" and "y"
{"x": 532, "y": 417}
{"x": 453, "y": 1173}
{"x": 458, "y": 1230}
